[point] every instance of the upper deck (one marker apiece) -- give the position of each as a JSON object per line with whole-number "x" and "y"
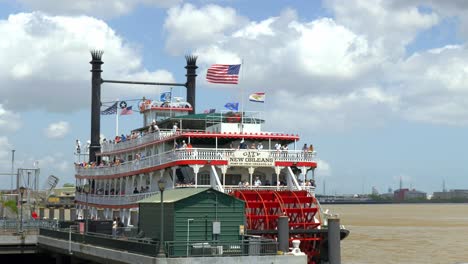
{"x": 201, "y": 156}
{"x": 220, "y": 127}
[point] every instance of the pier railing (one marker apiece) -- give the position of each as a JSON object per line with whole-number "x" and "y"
{"x": 173, "y": 249}
{"x": 130, "y": 244}
{"x": 188, "y": 154}
{"x": 221, "y": 248}
{"x": 9, "y": 226}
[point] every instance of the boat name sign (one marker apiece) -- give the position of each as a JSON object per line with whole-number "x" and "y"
{"x": 251, "y": 158}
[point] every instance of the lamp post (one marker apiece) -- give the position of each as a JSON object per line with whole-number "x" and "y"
{"x": 86, "y": 190}
{"x": 12, "y": 169}
{"x": 162, "y": 186}
{"x": 21, "y": 211}
{"x": 188, "y": 234}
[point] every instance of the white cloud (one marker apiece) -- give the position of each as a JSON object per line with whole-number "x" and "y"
{"x": 5, "y": 161}
{"x": 57, "y": 130}
{"x": 336, "y": 73}
{"x": 101, "y": 8}
{"x": 48, "y": 58}
{"x": 5, "y": 148}
{"x": 9, "y": 121}
{"x": 390, "y": 26}
{"x": 188, "y": 25}
{"x": 433, "y": 86}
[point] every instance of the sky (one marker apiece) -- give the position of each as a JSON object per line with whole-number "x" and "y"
{"x": 378, "y": 87}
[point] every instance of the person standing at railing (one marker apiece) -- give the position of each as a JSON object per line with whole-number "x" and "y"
{"x": 34, "y": 215}
{"x": 114, "y": 227}
{"x": 260, "y": 146}
{"x": 257, "y": 182}
{"x": 120, "y": 226}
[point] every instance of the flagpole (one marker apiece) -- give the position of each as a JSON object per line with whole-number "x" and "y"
{"x": 242, "y": 97}
{"x": 117, "y": 120}
{"x": 170, "y": 103}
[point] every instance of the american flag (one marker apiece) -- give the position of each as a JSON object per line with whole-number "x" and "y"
{"x": 126, "y": 111}
{"x": 111, "y": 110}
{"x": 223, "y": 73}
{"x": 209, "y": 111}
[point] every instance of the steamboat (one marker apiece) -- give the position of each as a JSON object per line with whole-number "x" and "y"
{"x": 227, "y": 151}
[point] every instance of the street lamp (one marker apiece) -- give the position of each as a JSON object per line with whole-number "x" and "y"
{"x": 188, "y": 234}
{"x": 162, "y": 186}
{"x": 86, "y": 190}
{"x": 21, "y": 211}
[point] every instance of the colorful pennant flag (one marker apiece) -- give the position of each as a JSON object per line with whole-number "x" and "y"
{"x": 257, "y": 97}
{"x": 165, "y": 97}
{"x": 232, "y": 106}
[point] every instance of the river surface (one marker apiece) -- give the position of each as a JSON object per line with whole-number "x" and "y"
{"x": 404, "y": 233}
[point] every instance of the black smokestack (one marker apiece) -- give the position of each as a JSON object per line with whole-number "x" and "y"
{"x": 191, "y": 79}
{"x": 96, "y": 82}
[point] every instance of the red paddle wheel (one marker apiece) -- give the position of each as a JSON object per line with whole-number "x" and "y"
{"x": 263, "y": 207}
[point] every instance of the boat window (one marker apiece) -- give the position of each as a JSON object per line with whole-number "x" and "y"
{"x": 233, "y": 179}
{"x": 204, "y": 178}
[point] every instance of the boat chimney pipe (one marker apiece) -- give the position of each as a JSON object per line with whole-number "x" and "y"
{"x": 191, "y": 79}
{"x": 96, "y": 82}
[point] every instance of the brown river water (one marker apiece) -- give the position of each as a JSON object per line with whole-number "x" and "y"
{"x": 404, "y": 233}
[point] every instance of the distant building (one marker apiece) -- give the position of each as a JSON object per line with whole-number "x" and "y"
{"x": 407, "y": 194}
{"x": 387, "y": 196}
{"x": 452, "y": 194}
{"x": 374, "y": 190}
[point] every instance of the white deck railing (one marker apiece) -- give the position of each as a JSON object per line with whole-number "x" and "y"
{"x": 188, "y": 154}
{"x": 129, "y": 143}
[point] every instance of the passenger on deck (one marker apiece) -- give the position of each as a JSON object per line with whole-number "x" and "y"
{"x": 257, "y": 182}
{"x": 278, "y": 147}
{"x": 260, "y": 146}
{"x": 155, "y": 127}
{"x": 242, "y": 145}
{"x": 78, "y": 146}
{"x": 136, "y": 190}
